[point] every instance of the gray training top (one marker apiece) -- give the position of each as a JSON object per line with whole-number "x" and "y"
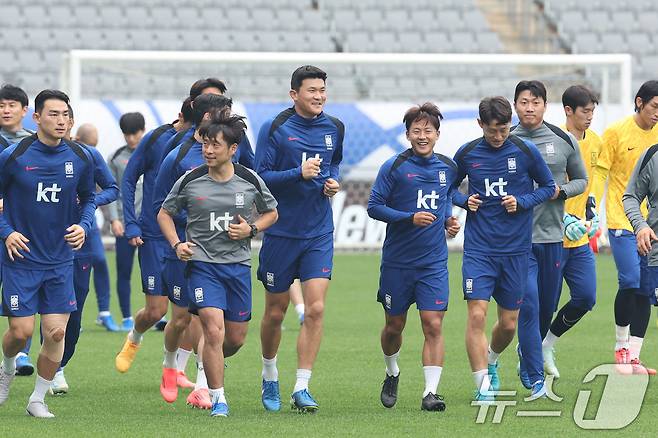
{"x": 561, "y": 152}
{"x": 644, "y": 184}
{"x": 117, "y": 164}
{"x": 212, "y": 205}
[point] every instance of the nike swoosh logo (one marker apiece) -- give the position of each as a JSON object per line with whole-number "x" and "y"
{"x": 412, "y": 175}
{"x": 439, "y": 302}
{"x": 242, "y": 313}
{"x": 71, "y": 303}
{"x": 630, "y": 149}
{"x": 325, "y": 270}
{"x": 28, "y": 168}
{"x": 293, "y": 138}
{"x": 476, "y": 164}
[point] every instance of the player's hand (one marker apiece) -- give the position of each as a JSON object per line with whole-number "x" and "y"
{"x": 593, "y": 226}
{"x": 75, "y": 237}
{"x": 423, "y": 218}
{"x": 574, "y": 229}
{"x": 311, "y": 168}
{"x": 117, "y": 228}
{"x": 184, "y": 251}
{"x": 239, "y": 231}
{"x": 644, "y": 238}
{"x": 136, "y": 241}
{"x": 510, "y": 204}
{"x": 474, "y": 202}
{"x": 331, "y": 187}
{"x": 16, "y": 242}
{"x": 452, "y": 226}
{"x": 557, "y": 192}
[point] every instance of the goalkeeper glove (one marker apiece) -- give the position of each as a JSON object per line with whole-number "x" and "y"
{"x": 593, "y": 226}
{"x": 573, "y": 228}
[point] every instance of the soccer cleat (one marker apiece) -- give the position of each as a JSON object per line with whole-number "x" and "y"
{"x": 126, "y": 356}
{"x": 639, "y": 368}
{"x": 538, "y": 391}
{"x": 270, "y": 395}
{"x": 160, "y": 325}
{"x": 494, "y": 380}
{"x": 199, "y": 398}
{"x": 5, "y": 383}
{"x": 549, "y": 362}
{"x": 433, "y": 402}
{"x": 107, "y": 322}
{"x": 23, "y": 365}
{"x": 484, "y": 397}
{"x": 622, "y": 359}
{"x": 303, "y": 402}
{"x": 168, "y": 388}
{"x": 521, "y": 371}
{"x": 127, "y": 324}
{"x": 59, "y": 385}
{"x": 38, "y": 409}
{"x": 182, "y": 381}
{"x": 389, "y": 394}
{"x": 219, "y": 410}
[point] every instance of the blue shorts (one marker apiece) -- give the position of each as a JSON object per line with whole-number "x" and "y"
{"x": 648, "y": 281}
{"x": 579, "y": 271}
{"x": 224, "y": 286}
{"x": 401, "y": 287}
{"x": 151, "y": 262}
{"x": 627, "y": 259}
{"x": 27, "y": 292}
{"x": 174, "y": 282}
{"x": 282, "y": 259}
{"x": 502, "y": 277}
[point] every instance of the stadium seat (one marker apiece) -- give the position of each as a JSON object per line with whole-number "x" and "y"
{"x": 194, "y": 39}
{"x": 475, "y": 21}
{"x": 60, "y": 16}
{"x": 371, "y": 19}
{"x": 40, "y": 38}
{"x": 613, "y": 43}
{"x": 357, "y": 42}
{"x": 11, "y": 16}
{"x": 238, "y": 19}
{"x": 289, "y": 19}
{"x": 187, "y": 17}
{"x": 35, "y": 15}
{"x": 345, "y": 20}
{"x": 265, "y": 19}
{"x": 112, "y": 16}
{"x": 385, "y": 42}
{"x": 86, "y": 17}
{"x": 586, "y": 43}
{"x": 212, "y": 18}
{"x": 144, "y": 39}
{"x": 398, "y": 20}
{"x": 449, "y": 20}
{"x": 139, "y": 18}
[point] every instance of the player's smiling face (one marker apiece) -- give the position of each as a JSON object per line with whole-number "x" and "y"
{"x": 217, "y": 152}
{"x": 53, "y": 121}
{"x": 649, "y": 112}
{"x": 495, "y": 133}
{"x": 423, "y": 136}
{"x": 11, "y": 114}
{"x": 309, "y": 100}
{"x": 530, "y": 109}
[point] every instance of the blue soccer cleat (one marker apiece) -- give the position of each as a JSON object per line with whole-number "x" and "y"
{"x": 492, "y": 370}
{"x": 270, "y": 395}
{"x": 23, "y": 365}
{"x": 538, "y": 391}
{"x": 107, "y": 322}
{"x": 521, "y": 371}
{"x": 219, "y": 409}
{"x": 484, "y": 397}
{"x": 303, "y": 402}
{"x": 127, "y": 324}
{"x": 160, "y": 325}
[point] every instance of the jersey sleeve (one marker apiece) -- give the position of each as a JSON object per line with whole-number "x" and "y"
{"x": 5, "y": 178}
{"x": 458, "y": 198}
{"x": 636, "y": 190}
{"x": 174, "y": 202}
{"x": 134, "y": 169}
{"x": 112, "y": 207}
{"x": 264, "y": 200}
{"x": 603, "y": 164}
{"x": 167, "y": 177}
{"x": 87, "y": 196}
{"x": 105, "y": 179}
{"x": 266, "y": 151}
{"x": 336, "y": 158}
{"x": 380, "y": 194}
{"x": 576, "y": 172}
{"x": 541, "y": 174}
{"x": 246, "y": 153}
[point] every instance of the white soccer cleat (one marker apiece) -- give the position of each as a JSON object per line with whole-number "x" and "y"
{"x": 549, "y": 362}
{"x": 38, "y": 409}
{"x": 5, "y": 382}
{"x": 59, "y": 385}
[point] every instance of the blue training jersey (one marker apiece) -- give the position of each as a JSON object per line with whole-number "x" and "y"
{"x": 144, "y": 161}
{"x": 513, "y": 169}
{"x": 407, "y": 184}
{"x": 46, "y": 189}
{"x": 284, "y": 143}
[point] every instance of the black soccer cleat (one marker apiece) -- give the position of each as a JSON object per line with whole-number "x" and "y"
{"x": 389, "y": 393}
{"x": 433, "y": 402}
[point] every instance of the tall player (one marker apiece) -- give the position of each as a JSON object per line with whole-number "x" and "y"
{"x": 413, "y": 195}
{"x": 48, "y": 187}
{"x": 577, "y": 264}
{"x": 623, "y": 143}
{"x": 298, "y": 156}
{"x": 502, "y": 171}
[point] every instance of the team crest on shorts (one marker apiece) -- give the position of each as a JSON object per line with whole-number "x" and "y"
{"x": 68, "y": 169}
{"x": 442, "y": 177}
{"x": 177, "y": 292}
{"x": 387, "y": 301}
{"x": 198, "y": 294}
{"x": 13, "y": 302}
{"x": 239, "y": 199}
{"x": 511, "y": 165}
{"x": 151, "y": 282}
{"x": 328, "y": 142}
{"x": 270, "y": 279}
{"x": 469, "y": 285}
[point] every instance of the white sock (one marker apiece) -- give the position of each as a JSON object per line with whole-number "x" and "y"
{"x": 299, "y": 308}
{"x": 182, "y": 358}
{"x": 130, "y": 318}
{"x": 201, "y": 382}
{"x": 135, "y": 336}
{"x": 9, "y": 365}
{"x": 217, "y": 395}
{"x": 169, "y": 359}
{"x": 103, "y": 313}
{"x": 492, "y": 356}
{"x": 392, "y": 364}
{"x": 20, "y": 354}
{"x": 270, "y": 372}
{"x": 481, "y": 379}
{"x": 635, "y": 346}
{"x": 303, "y": 376}
{"x": 40, "y": 388}
{"x": 432, "y": 378}
{"x": 621, "y": 336}
{"x": 549, "y": 340}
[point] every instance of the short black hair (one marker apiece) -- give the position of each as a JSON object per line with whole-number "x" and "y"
{"x": 536, "y": 88}
{"x": 71, "y": 116}
{"x": 306, "y": 72}
{"x": 231, "y": 126}
{"x": 186, "y": 110}
{"x": 495, "y": 108}
{"x": 647, "y": 91}
{"x": 12, "y": 92}
{"x": 206, "y": 103}
{"x": 578, "y": 96}
{"x": 202, "y": 84}
{"x": 131, "y": 123}
{"x": 427, "y": 111}
{"x": 45, "y": 95}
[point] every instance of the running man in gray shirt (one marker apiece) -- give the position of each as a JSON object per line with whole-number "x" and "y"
{"x": 560, "y": 151}
{"x": 219, "y": 198}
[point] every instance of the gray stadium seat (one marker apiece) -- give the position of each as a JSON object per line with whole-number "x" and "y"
{"x": 438, "y": 42}
{"x": 320, "y": 42}
{"x": 194, "y": 39}
{"x": 270, "y": 42}
{"x": 138, "y": 18}
{"x": 294, "y": 41}
{"x": 640, "y": 43}
{"x": 647, "y": 19}
{"x": 86, "y": 16}
{"x": 385, "y": 42}
{"x": 143, "y": 39}
{"x": 264, "y": 19}
{"x": 625, "y": 21}
{"x": 449, "y": 20}
{"x": 35, "y": 15}
{"x": 115, "y": 39}
{"x": 238, "y": 19}
{"x": 314, "y": 21}
{"x": 412, "y": 42}
{"x": 162, "y": 16}
{"x": 7, "y": 58}
{"x": 88, "y": 39}
{"x": 53, "y": 59}
{"x": 599, "y": 20}
{"x": 289, "y": 19}
{"x": 398, "y": 20}
{"x": 60, "y": 16}
{"x": 586, "y": 43}
{"x": 212, "y": 19}
{"x": 30, "y": 61}
{"x": 112, "y": 16}
{"x": 40, "y": 38}
{"x": 613, "y": 43}
{"x": 371, "y": 19}
{"x": 245, "y": 40}
{"x": 463, "y": 42}
{"x": 345, "y": 20}
{"x": 475, "y": 21}
{"x": 488, "y": 42}
{"x": 11, "y": 16}
{"x": 188, "y": 18}
{"x": 357, "y": 42}
{"x": 424, "y": 19}
{"x": 168, "y": 39}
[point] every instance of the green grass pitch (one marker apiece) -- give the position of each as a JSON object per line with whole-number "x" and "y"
{"x": 346, "y": 380}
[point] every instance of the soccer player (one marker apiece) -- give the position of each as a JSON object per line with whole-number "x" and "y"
{"x": 623, "y": 143}
{"x": 502, "y": 170}
{"x": 413, "y": 195}
{"x": 298, "y": 156}
{"x": 48, "y": 187}
{"x": 560, "y": 151}
{"x": 132, "y": 126}
{"x": 219, "y": 198}
{"x": 145, "y": 233}
{"x": 577, "y": 264}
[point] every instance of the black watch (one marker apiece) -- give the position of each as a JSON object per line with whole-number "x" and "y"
{"x": 254, "y": 230}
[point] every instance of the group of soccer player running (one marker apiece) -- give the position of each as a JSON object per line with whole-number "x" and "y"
{"x": 201, "y": 204}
